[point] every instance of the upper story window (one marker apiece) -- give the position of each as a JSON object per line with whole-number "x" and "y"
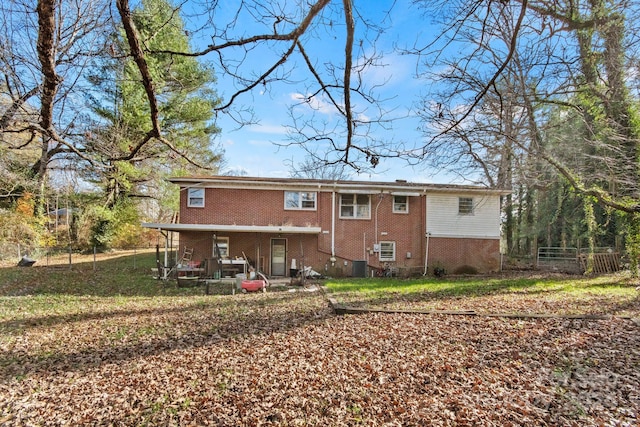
{"x": 195, "y": 197}
{"x": 400, "y": 204}
{"x": 465, "y": 206}
{"x": 355, "y": 206}
{"x": 387, "y": 251}
{"x": 300, "y": 200}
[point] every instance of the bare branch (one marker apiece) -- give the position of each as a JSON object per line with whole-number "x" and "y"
{"x": 348, "y": 54}
{"x": 491, "y": 83}
{"x": 15, "y": 106}
{"x": 138, "y": 57}
{"x": 46, "y": 55}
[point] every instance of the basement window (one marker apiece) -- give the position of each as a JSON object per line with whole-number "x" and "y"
{"x": 387, "y": 251}
{"x": 221, "y": 247}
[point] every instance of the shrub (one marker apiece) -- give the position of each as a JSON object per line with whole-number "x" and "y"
{"x": 466, "y": 269}
{"x": 439, "y": 271}
{"x": 16, "y": 229}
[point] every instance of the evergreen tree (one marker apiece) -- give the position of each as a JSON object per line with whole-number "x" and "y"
{"x": 124, "y": 168}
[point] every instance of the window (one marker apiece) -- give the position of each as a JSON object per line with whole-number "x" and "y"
{"x": 223, "y": 247}
{"x": 300, "y": 200}
{"x": 465, "y": 206}
{"x": 387, "y": 251}
{"x": 195, "y": 198}
{"x": 400, "y": 204}
{"x": 355, "y": 206}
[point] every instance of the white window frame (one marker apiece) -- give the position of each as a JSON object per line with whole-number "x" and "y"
{"x": 465, "y": 206}
{"x": 387, "y": 251}
{"x": 397, "y": 205}
{"x": 301, "y": 199}
{"x": 194, "y": 194}
{"x": 223, "y": 246}
{"x": 356, "y": 207}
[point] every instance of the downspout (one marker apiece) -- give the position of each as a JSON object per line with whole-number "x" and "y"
{"x": 380, "y": 197}
{"x": 426, "y": 253}
{"x": 426, "y": 235}
{"x": 333, "y": 227}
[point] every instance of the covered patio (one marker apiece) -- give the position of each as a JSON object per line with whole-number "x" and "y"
{"x": 221, "y": 251}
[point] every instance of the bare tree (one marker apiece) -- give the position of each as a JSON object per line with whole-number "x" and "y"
{"x": 44, "y": 83}
{"x": 257, "y": 46}
{"x": 562, "y": 74}
{"x": 49, "y": 65}
{"x": 284, "y": 35}
{"x": 312, "y": 168}
{"x": 563, "y": 58}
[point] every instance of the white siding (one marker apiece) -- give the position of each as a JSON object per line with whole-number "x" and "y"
{"x": 443, "y": 219}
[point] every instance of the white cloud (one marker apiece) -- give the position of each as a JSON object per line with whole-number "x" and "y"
{"x": 394, "y": 70}
{"x": 228, "y": 142}
{"x": 260, "y": 143}
{"x": 363, "y": 118}
{"x": 268, "y": 128}
{"x": 316, "y": 103}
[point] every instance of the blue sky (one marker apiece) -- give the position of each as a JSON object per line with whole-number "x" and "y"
{"x": 255, "y": 150}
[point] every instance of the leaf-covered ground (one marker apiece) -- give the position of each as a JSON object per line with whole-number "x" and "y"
{"x": 284, "y": 358}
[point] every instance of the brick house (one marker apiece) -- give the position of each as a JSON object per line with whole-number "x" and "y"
{"x": 340, "y": 227}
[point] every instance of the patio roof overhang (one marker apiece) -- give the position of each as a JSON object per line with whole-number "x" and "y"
{"x": 223, "y": 228}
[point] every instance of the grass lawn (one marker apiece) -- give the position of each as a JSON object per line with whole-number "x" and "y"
{"x": 536, "y": 294}
{"x": 106, "y": 344}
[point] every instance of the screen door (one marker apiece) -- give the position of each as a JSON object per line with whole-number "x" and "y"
{"x": 278, "y": 257}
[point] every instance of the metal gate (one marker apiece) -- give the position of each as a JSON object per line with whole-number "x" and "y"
{"x": 558, "y": 259}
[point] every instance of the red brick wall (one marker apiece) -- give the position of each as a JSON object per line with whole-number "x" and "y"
{"x": 244, "y": 207}
{"x": 200, "y": 242}
{"x": 464, "y": 256}
{"x": 354, "y": 238}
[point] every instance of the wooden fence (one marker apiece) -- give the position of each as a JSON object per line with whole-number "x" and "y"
{"x": 571, "y": 260}
{"x": 607, "y": 262}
